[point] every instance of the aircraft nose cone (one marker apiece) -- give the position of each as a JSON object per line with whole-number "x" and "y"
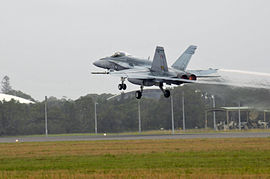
{"x": 97, "y": 63}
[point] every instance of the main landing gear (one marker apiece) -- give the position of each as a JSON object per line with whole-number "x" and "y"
{"x": 166, "y": 92}
{"x": 138, "y": 94}
{"x": 122, "y": 85}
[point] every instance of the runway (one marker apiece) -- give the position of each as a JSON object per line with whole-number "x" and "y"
{"x": 133, "y": 137}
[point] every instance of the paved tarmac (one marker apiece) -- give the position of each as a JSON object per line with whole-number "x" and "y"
{"x": 133, "y": 137}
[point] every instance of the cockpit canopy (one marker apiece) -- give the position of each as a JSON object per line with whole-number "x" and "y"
{"x": 119, "y": 54}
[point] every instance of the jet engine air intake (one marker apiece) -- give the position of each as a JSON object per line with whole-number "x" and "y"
{"x": 184, "y": 77}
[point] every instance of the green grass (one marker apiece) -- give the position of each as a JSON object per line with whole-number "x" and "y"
{"x": 203, "y": 158}
{"x": 236, "y": 162}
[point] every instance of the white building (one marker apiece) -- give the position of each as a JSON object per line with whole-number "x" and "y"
{"x": 6, "y": 97}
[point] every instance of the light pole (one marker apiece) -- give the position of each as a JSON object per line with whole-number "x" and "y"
{"x": 214, "y": 113}
{"x": 183, "y": 110}
{"x": 172, "y": 114}
{"x": 139, "y": 115}
{"x": 46, "y": 117}
{"x": 205, "y": 97}
{"x": 96, "y": 117}
{"x": 239, "y": 115}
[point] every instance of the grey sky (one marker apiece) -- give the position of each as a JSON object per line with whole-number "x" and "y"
{"x": 47, "y": 47}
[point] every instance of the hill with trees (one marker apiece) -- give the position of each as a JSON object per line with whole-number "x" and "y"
{"x": 77, "y": 116}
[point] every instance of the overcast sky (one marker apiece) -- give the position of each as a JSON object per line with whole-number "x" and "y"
{"x": 47, "y": 47}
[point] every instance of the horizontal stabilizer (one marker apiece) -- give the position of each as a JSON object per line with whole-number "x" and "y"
{"x": 182, "y": 62}
{"x": 205, "y": 73}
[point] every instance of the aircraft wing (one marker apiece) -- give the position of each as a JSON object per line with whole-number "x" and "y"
{"x": 167, "y": 79}
{"x": 129, "y": 73}
{"x": 146, "y": 75}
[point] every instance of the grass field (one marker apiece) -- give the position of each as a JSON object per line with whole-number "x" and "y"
{"x": 198, "y": 158}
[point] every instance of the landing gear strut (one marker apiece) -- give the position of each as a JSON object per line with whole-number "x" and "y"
{"x": 138, "y": 94}
{"x": 122, "y": 85}
{"x": 166, "y": 92}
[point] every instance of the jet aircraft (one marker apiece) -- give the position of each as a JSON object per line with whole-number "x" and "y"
{"x": 146, "y": 73}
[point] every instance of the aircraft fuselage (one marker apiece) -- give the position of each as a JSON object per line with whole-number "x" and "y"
{"x": 121, "y": 63}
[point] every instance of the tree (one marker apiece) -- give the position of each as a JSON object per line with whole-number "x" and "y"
{"x": 6, "y": 88}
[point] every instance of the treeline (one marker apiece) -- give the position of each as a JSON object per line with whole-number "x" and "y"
{"x": 77, "y": 116}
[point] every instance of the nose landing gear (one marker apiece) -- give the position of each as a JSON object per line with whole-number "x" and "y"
{"x": 138, "y": 94}
{"x": 122, "y": 85}
{"x": 167, "y": 93}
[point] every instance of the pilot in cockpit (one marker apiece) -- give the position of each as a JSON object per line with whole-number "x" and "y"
{"x": 118, "y": 54}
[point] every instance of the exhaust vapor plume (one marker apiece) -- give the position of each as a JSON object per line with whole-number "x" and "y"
{"x": 250, "y": 88}
{"x": 240, "y": 78}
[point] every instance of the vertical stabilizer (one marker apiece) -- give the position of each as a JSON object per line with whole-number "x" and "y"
{"x": 159, "y": 62}
{"x": 182, "y": 62}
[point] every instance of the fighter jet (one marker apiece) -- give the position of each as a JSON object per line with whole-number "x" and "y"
{"x": 156, "y": 73}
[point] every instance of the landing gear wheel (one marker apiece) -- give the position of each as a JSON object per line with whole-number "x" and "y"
{"x": 124, "y": 86}
{"x": 120, "y": 86}
{"x": 138, "y": 94}
{"x": 167, "y": 93}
